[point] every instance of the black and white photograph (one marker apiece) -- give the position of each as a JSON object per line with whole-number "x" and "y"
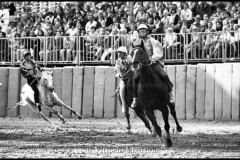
{"x": 119, "y": 79}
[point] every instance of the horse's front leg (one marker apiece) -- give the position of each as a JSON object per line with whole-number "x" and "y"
{"x": 56, "y": 113}
{"x": 59, "y": 102}
{"x": 38, "y": 110}
{"x": 173, "y": 113}
{"x": 127, "y": 115}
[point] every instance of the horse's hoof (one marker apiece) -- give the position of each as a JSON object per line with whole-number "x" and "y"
{"x": 63, "y": 122}
{"x": 179, "y": 129}
{"x": 128, "y": 127}
{"x": 80, "y": 117}
{"x": 58, "y": 129}
{"x": 154, "y": 135}
{"x": 130, "y": 133}
{"x": 168, "y": 142}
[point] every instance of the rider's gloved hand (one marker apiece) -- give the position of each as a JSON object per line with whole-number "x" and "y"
{"x": 37, "y": 77}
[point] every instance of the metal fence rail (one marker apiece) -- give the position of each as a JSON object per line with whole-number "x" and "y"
{"x": 177, "y": 48}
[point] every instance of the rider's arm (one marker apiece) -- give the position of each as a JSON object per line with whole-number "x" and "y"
{"x": 25, "y": 72}
{"x": 157, "y": 49}
{"x": 117, "y": 72}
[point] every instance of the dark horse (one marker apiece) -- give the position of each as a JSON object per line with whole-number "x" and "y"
{"x": 153, "y": 95}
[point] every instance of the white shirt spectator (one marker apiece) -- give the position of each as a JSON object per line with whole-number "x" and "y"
{"x": 89, "y": 25}
{"x": 4, "y": 19}
{"x": 186, "y": 14}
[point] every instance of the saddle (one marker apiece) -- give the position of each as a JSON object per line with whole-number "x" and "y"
{"x": 157, "y": 62}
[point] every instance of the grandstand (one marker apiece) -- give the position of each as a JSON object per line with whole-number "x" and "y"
{"x": 88, "y": 33}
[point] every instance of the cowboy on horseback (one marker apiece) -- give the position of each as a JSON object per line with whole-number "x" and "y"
{"x": 154, "y": 49}
{"x": 121, "y": 71}
{"x": 28, "y": 69}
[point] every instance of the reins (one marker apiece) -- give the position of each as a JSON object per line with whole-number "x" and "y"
{"x": 33, "y": 81}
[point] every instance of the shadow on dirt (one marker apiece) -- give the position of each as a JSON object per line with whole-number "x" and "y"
{"x": 78, "y": 138}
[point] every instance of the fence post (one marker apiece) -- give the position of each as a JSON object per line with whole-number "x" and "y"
{"x": 45, "y": 53}
{"x": 12, "y": 52}
{"x": 185, "y": 57}
{"x": 224, "y": 48}
{"x": 78, "y": 51}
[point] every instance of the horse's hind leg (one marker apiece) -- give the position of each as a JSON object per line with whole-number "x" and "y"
{"x": 143, "y": 117}
{"x": 165, "y": 113}
{"x": 173, "y": 113}
{"x": 152, "y": 118}
{"x": 34, "y": 107}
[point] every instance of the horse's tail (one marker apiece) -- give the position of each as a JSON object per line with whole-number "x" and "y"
{"x": 116, "y": 91}
{"x": 18, "y": 104}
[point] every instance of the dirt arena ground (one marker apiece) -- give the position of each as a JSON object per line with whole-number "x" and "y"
{"x": 108, "y": 138}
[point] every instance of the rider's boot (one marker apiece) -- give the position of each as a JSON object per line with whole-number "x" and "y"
{"x": 39, "y": 107}
{"x": 171, "y": 96}
{"x": 134, "y": 103}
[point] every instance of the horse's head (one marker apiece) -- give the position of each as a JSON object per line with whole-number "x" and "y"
{"x": 139, "y": 56}
{"x": 47, "y": 79}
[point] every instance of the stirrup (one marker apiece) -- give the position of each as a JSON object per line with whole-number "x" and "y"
{"x": 39, "y": 107}
{"x": 171, "y": 97}
{"x": 134, "y": 103}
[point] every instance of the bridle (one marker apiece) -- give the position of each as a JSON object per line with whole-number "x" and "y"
{"x": 145, "y": 63}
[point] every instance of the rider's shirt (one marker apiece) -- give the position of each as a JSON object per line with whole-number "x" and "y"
{"x": 28, "y": 68}
{"x": 122, "y": 66}
{"x": 153, "y": 47}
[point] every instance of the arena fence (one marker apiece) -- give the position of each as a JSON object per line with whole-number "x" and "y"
{"x": 203, "y": 91}
{"x": 183, "y": 48}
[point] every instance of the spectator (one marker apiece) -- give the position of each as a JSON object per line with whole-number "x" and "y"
{"x": 233, "y": 11}
{"x": 141, "y": 14}
{"x": 165, "y": 21}
{"x": 104, "y": 43}
{"x": 9, "y": 33}
{"x": 82, "y": 20}
{"x": 124, "y": 24}
{"x": 133, "y": 34}
{"x": 186, "y": 14}
{"x": 4, "y": 49}
{"x": 71, "y": 31}
{"x": 196, "y": 24}
{"x": 227, "y": 16}
{"x": 90, "y": 23}
{"x": 58, "y": 43}
{"x": 40, "y": 34}
{"x": 150, "y": 24}
{"x": 4, "y": 17}
{"x": 115, "y": 24}
{"x": 236, "y": 40}
{"x": 224, "y": 42}
{"x": 159, "y": 28}
{"x": 209, "y": 44}
{"x": 69, "y": 22}
{"x": 219, "y": 13}
{"x": 175, "y": 20}
{"x": 68, "y": 46}
{"x": 204, "y": 26}
{"x": 108, "y": 18}
{"x": 170, "y": 42}
{"x": 231, "y": 24}
{"x": 209, "y": 27}
{"x": 219, "y": 26}
{"x": 195, "y": 46}
{"x": 205, "y": 18}
{"x": 12, "y": 9}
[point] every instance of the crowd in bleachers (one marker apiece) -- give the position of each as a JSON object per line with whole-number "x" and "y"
{"x": 94, "y": 19}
